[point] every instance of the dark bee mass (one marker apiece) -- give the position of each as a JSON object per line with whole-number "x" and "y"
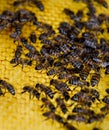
{"x": 75, "y": 60}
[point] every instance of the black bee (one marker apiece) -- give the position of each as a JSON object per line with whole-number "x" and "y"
{"x": 88, "y": 35}
{"x": 103, "y": 3}
{"x": 69, "y": 13}
{"x": 50, "y": 61}
{"x": 33, "y": 37}
{"x": 69, "y": 126}
{"x": 106, "y": 99}
{"x": 18, "y": 29}
{"x": 43, "y": 63}
{"x": 96, "y": 117}
{"x": 84, "y": 73}
{"x": 18, "y": 52}
{"x": 32, "y": 91}
{"x": 64, "y": 28}
{"x": 105, "y": 109}
{"x": 59, "y": 85}
{"x": 78, "y": 16}
{"x": 48, "y": 104}
{"x": 62, "y": 105}
{"x": 7, "y": 86}
{"x": 62, "y": 87}
{"x": 47, "y": 42}
{"x": 77, "y": 118}
{"x": 58, "y": 64}
{"x": 93, "y": 65}
{"x": 84, "y": 111}
{"x": 39, "y": 67}
{"x": 17, "y": 3}
{"x": 92, "y": 9}
{"x": 53, "y": 116}
{"x": 90, "y": 42}
{"x": 30, "y": 47}
{"x": 78, "y": 64}
{"x": 34, "y": 56}
{"x": 75, "y": 80}
{"x": 45, "y": 89}
{"x": 39, "y": 4}
{"x": 83, "y": 98}
{"x": 21, "y": 61}
{"x": 52, "y": 72}
{"x": 95, "y": 79}
{"x": 94, "y": 93}
{"x": 43, "y": 36}
{"x": 64, "y": 76}
{"x": 65, "y": 95}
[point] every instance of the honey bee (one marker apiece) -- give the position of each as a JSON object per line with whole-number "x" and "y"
{"x": 105, "y": 109}
{"x": 7, "y": 86}
{"x": 52, "y": 72}
{"x": 84, "y": 111}
{"x": 39, "y": 4}
{"x": 64, "y": 76}
{"x": 53, "y": 116}
{"x": 95, "y": 79}
{"x": 48, "y": 104}
{"x": 78, "y": 16}
{"x": 102, "y": 2}
{"x": 33, "y": 37}
{"x": 59, "y": 85}
{"x": 92, "y": 9}
{"x": 65, "y": 95}
{"x": 106, "y": 99}
{"x": 64, "y": 28}
{"x": 83, "y": 98}
{"x": 75, "y": 80}
{"x": 30, "y": 47}
{"x": 17, "y": 3}
{"x": 96, "y": 117}
{"x": 93, "y": 92}
{"x": 62, "y": 105}
{"x": 18, "y": 52}
{"x": 46, "y": 42}
{"x": 32, "y": 91}
{"x": 45, "y": 89}
{"x": 69, "y": 12}
{"x": 77, "y": 118}
{"x": 69, "y": 126}
{"x": 21, "y": 61}
{"x": 84, "y": 73}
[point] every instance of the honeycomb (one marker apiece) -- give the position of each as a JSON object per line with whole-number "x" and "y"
{"x": 19, "y": 112}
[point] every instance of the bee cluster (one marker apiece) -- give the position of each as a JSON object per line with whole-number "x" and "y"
{"x": 69, "y": 57}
